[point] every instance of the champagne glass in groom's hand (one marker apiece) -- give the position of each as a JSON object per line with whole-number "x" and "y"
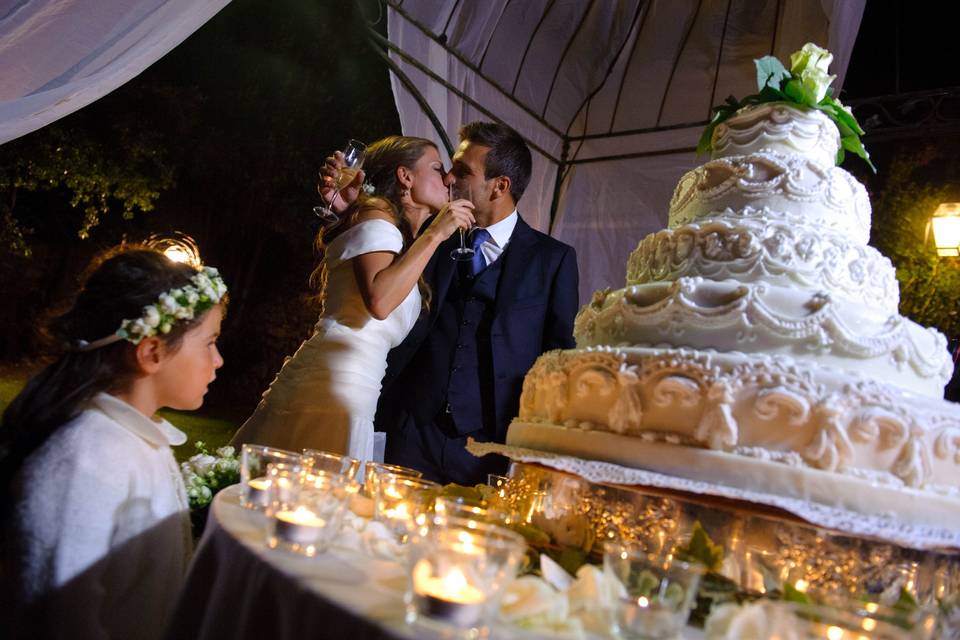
{"x": 353, "y": 155}
{"x": 461, "y": 191}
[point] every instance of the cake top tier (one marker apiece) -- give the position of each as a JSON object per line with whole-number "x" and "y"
{"x": 778, "y": 127}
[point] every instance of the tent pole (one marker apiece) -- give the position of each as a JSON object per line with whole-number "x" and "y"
{"x": 561, "y": 168}
{"x": 409, "y": 86}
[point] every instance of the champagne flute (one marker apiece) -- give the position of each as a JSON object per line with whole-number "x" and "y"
{"x": 353, "y": 155}
{"x": 461, "y": 191}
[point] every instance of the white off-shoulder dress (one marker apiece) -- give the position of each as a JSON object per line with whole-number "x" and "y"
{"x": 325, "y": 396}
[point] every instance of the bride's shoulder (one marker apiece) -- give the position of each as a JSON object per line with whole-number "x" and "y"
{"x": 377, "y": 209}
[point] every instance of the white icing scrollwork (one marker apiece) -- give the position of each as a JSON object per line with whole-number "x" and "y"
{"x": 717, "y": 427}
{"x": 781, "y": 403}
{"x": 676, "y": 391}
{"x": 947, "y": 445}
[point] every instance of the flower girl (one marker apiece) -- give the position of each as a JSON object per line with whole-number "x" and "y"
{"x": 97, "y": 532}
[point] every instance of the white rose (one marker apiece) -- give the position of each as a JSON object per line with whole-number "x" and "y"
{"x": 140, "y": 328}
{"x": 594, "y": 588}
{"x": 817, "y": 81}
{"x": 168, "y": 304}
{"x": 151, "y": 316}
{"x": 202, "y": 463}
{"x": 530, "y": 602}
{"x": 810, "y": 56}
{"x": 184, "y": 313}
{"x": 192, "y": 296}
{"x": 225, "y": 452}
{"x": 757, "y": 621}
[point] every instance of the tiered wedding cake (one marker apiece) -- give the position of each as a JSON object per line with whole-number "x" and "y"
{"x": 757, "y": 344}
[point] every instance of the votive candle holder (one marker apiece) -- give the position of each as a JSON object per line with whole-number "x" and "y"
{"x": 255, "y": 485}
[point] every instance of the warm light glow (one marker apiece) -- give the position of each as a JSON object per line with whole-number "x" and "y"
{"x": 801, "y": 585}
{"x": 177, "y": 254}
{"x": 834, "y": 633}
{"x": 643, "y": 602}
{"x": 391, "y": 492}
{"x": 452, "y": 587}
{"x": 302, "y": 516}
{"x": 178, "y": 247}
{"x": 260, "y": 484}
{"x": 946, "y": 229}
{"x": 869, "y": 624}
{"x": 871, "y": 607}
{"x": 399, "y": 512}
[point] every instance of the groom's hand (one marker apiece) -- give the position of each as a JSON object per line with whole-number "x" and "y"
{"x": 327, "y": 182}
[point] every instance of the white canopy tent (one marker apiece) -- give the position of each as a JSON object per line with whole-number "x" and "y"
{"x": 611, "y": 95}
{"x": 57, "y": 56}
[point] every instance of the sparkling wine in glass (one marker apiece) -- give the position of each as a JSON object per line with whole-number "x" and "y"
{"x": 353, "y": 155}
{"x": 461, "y": 191}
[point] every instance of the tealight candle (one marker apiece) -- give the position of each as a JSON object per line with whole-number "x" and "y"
{"x": 258, "y": 490}
{"x": 299, "y": 526}
{"x": 449, "y": 598}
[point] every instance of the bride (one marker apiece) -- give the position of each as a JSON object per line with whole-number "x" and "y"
{"x": 325, "y": 396}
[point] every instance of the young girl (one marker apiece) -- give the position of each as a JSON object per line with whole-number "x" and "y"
{"x": 96, "y": 515}
{"x": 325, "y": 396}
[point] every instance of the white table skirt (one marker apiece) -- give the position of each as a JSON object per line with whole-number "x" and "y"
{"x": 239, "y": 588}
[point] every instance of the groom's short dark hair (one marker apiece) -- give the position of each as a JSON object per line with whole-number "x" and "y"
{"x": 509, "y": 155}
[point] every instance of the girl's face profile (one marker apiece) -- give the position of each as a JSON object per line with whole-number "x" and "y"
{"x": 183, "y": 378}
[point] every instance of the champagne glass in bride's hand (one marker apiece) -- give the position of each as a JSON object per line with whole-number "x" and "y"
{"x": 353, "y": 155}
{"x": 461, "y": 191}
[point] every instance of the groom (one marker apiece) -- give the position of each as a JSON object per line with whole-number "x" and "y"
{"x": 459, "y": 372}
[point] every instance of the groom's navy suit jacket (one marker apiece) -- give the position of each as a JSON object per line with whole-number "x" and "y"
{"x": 535, "y": 303}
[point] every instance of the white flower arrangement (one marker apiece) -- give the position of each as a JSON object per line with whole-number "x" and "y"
{"x": 206, "y": 289}
{"x": 204, "y": 474}
{"x": 806, "y": 84}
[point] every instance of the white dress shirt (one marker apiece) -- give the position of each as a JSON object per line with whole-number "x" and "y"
{"x": 500, "y": 234}
{"x": 102, "y": 525}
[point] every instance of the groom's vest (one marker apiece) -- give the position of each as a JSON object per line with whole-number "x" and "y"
{"x": 461, "y": 341}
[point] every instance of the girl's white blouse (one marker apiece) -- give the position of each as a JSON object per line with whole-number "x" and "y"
{"x": 102, "y": 524}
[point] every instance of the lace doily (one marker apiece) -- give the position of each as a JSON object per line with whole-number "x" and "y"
{"x": 880, "y": 526}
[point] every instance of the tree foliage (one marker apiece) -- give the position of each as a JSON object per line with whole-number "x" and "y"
{"x": 103, "y": 160}
{"x": 916, "y": 179}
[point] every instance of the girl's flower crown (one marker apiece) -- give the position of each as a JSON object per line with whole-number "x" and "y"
{"x": 205, "y": 290}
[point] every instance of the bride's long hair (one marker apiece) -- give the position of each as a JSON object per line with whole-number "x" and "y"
{"x": 380, "y": 166}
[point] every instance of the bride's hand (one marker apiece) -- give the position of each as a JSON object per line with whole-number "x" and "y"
{"x": 457, "y": 214}
{"x": 327, "y": 182}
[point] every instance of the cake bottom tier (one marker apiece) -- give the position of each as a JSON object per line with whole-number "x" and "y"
{"x": 739, "y": 472}
{"x": 747, "y": 409}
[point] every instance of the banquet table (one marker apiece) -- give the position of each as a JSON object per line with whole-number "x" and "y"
{"x": 239, "y": 588}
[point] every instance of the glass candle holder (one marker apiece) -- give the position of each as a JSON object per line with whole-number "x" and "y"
{"x": 254, "y": 460}
{"x": 458, "y": 568}
{"x": 305, "y": 520}
{"x": 656, "y": 593}
{"x": 447, "y": 507}
{"x": 852, "y": 620}
{"x": 400, "y": 500}
{"x": 317, "y": 460}
{"x": 373, "y": 470}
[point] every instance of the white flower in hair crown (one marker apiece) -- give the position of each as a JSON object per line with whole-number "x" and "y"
{"x": 367, "y": 188}
{"x": 206, "y": 289}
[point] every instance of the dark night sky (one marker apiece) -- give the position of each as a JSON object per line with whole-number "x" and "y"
{"x": 915, "y": 33}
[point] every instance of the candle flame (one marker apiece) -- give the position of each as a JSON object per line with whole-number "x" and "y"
{"x": 454, "y": 582}
{"x": 801, "y": 585}
{"x": 834, "y": 633}
{"x": 643, "y": 602}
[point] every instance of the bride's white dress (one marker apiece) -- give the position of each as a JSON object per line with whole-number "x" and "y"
{"x": 325, "y": 396}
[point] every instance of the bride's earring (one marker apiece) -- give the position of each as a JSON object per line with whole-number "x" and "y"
{"x": 404, "y": 193}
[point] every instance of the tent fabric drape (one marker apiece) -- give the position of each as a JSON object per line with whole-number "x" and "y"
{"x": 612, "y": 95}
{"x": 57, "y": 56}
